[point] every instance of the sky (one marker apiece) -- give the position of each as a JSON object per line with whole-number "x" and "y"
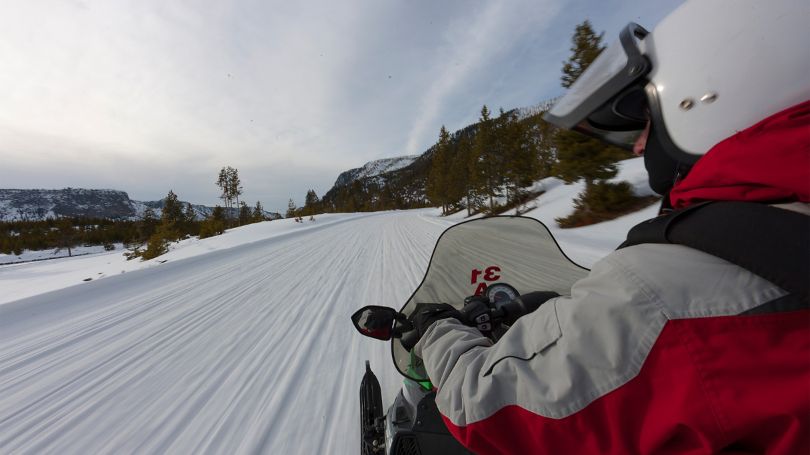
{"x": 150, "y": 96}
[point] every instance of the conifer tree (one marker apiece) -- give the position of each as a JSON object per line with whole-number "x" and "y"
{"x": 171, "y": 219}
{"x": 148, "y": 224}
{"x": 214, "y": 224}
{"x": 521, "y": 157}
{"x": 544, "y": 138}
{"x": 311, "y": 203}
{"x": 579, "y": 156}
{"x": 291, "y": 208}
{"x": 462, "y": 175}
{"x": 245, "y": 214}
{"x": 438, "y": 178}
{"x": 234, "y": 185}
{"x": 258, "y": 212}
{"x": 224, "y": 186}
{"x": 231, "y": 186}
{"x": 190, "y": 225}
{"x": 158, "y": 243}
{"x": 67, "y": 235}
{"x": 586, "y": 46}
{"x": 485, "y": 162}
{"x": 190, "y": 213}
{"x": 218, "y": 214}
{"x": 172, "y": 209}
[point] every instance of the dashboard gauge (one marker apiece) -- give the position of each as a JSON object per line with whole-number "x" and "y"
{"x": 499, "y": 293}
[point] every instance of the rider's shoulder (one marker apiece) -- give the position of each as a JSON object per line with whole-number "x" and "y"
{"x": 687, "y": 282}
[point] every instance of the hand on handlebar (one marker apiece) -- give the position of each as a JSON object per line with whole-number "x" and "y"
{"x": 477, "y": 312}
{"x": 423, "y": 316}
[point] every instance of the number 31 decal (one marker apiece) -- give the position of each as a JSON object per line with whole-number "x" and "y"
{"x": 491, "y": 273}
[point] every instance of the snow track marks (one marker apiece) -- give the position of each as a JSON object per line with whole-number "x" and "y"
{"x": 247, "y": 350}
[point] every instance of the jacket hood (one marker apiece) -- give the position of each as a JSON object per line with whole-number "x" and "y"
{"x": 767, "y": 162}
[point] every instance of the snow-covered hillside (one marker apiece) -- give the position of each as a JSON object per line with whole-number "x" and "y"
{"x": 235, "y": 344}
{"x": 374, "y": 168}
{"x": 68, "y": 202}
{"x": 39, "y": 204}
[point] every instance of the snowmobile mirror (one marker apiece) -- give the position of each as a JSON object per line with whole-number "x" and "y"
{"x": 375, "y": 321}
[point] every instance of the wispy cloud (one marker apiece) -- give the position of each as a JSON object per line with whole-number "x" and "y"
{"x": 470, "y": 46}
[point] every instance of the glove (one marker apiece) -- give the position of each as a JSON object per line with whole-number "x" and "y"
{"x": 476, "y": 314}
{"x": 426, "y": 314}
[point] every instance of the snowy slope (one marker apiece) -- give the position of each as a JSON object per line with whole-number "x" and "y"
{"x": 235, "y": 344}
{"x": 374, "y": 168}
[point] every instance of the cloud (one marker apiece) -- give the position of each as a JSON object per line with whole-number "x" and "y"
{"x": 469, "y": 43}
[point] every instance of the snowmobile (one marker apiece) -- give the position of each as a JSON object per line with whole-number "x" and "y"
{"x": 513, "y": 265}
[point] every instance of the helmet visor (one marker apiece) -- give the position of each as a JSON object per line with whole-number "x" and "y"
{"x": 608, "y": 100}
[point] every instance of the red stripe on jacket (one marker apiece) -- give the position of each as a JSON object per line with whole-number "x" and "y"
{"x": 732, "y": 384}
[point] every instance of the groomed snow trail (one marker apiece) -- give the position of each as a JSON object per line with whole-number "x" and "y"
{"x": 245, "y": 350}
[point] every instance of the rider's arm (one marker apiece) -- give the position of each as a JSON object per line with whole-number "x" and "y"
{"x": 548, "y": 366}
{"x": 603, "y": 371}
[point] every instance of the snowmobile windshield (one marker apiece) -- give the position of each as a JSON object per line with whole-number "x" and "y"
{"x": 608, "y": 100}
{"x": 471, "y": 256}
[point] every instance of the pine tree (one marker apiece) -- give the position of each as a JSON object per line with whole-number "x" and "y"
{"x": 234, "y": 186}
{"x": 158, "y": 243}
{"x": 582, "y": 157}
{"x": 245, "y": 214}
{"x": 190, "y": 214}
{"x": 544, "y": 137}
{"x": 485, "y": 163}
{"x": 461, "y": 175}
{"x": 291, "y": 208}
{"x": 521, "y": 166}
{"x": 171, "y": 218}
{"x": 218, "y": 214}
{"x": 224, "y": 185}
{"x": 172, "y": 209}
{"x": 258, "y": 212}
{"x": 67, "y": 235}
{"x": 231, "y": 186}
{"x": 586, "y": 46}
{"x": 214, "y": 224}
{"x": 579, "y": 156}
{"x": 147, "y": 225}
{"x": 190, "y": 225}
{"x": 311, "y": 203}
{"x": 438, "y": 177}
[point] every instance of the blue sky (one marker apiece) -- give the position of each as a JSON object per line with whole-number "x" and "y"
{"x": 148, "y": 96}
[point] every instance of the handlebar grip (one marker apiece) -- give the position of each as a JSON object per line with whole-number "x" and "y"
{"x": 525, "y": 304}
{"x": 533, "y": 300}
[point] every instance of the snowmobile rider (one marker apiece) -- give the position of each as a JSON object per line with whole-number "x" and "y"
{"x": 665, "y": 348}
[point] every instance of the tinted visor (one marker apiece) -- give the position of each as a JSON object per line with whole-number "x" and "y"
{"x": 608, "y": 100}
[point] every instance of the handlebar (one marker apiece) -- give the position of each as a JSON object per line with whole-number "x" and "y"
{"x": 503, "y": 314}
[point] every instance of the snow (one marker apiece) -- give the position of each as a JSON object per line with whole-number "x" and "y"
{"x": 233, "y": 344}
{"x": 41, "y": 255}
{"x": 382, "y": 166}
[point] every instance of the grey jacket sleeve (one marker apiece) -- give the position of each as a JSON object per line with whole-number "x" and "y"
{"x": 576, "y": 349}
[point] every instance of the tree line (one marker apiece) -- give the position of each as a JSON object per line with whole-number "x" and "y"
{"x": 176, "y": 224}
{"x": 147, "y": 237}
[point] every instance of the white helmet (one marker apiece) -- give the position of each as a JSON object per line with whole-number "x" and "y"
{"x": 708, "y": 70}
